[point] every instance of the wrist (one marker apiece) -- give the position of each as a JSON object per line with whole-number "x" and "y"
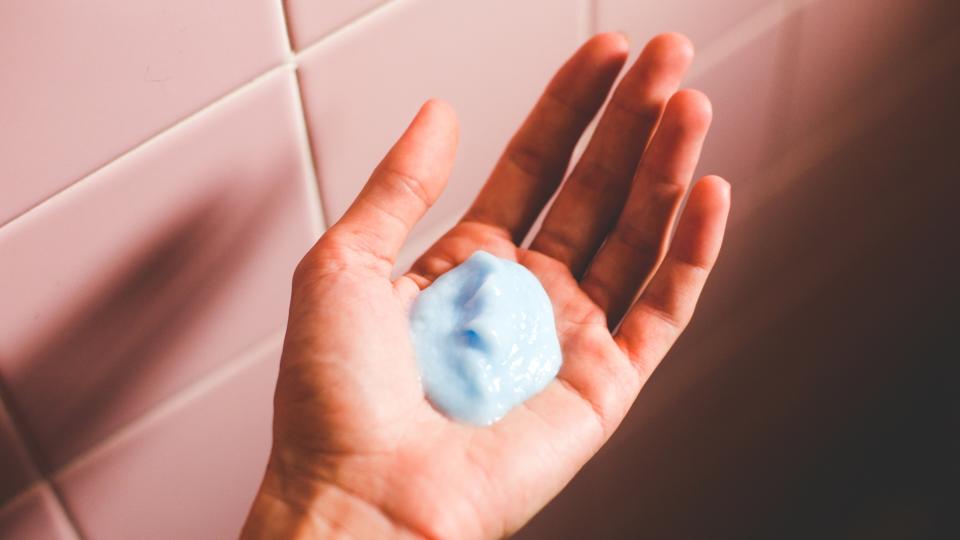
{"x": 292, "y": 506}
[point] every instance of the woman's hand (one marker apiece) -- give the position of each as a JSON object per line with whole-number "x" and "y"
{"x": 357, "y": 448}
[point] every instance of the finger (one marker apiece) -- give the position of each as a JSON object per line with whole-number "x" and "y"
{"x": 589, "y": 203}
{"x": 666, "y": 305}
{"x": 637, "y": 243}
{"x": 402, "y": 187}
{"x": 536, "y": 158}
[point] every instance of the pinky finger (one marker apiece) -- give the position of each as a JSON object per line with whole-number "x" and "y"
{"x": 665, "y": 306}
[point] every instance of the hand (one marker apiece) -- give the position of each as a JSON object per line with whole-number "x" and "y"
{"x": 357, "y": 448}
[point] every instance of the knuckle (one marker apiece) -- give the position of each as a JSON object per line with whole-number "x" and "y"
{"x": 530, "y": 161}
{"x": 411, "y": 185}
{"x": 329, "y": 255}
{"x": 665, "y": 190}
{"x": 556, "y": 244}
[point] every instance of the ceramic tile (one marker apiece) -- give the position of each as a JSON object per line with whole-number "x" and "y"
{"x": 703, "y": 21}
{"x": 171, "y": 261}
{"x": 490, "y": 60}
{"x": 82, "y": 82}
{"x": 35, "y": 515}
{"x": 16, "y": 470}
{"x": 189, "y": 473}
{"x": 309, "y": 20}
{"x": 747, "y": 107}
{"x": 846, "y": 48}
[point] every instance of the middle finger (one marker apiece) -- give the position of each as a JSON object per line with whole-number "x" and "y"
{"x": 589, "y": 203}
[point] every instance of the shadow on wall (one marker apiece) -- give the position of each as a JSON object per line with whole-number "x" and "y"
{"x": 116, "y": 342}
{"x": 814, "y": 394}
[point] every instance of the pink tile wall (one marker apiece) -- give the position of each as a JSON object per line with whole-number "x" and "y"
{"x": 310, "y": 20}
{"x": 849, "y": 48}
{"x": 367, "y": 84}
{"x": 703, "y": 21}
{"x": 745, "y": 89}
{"x": 156, "y": 270}
{"x": 191, "y": 472}
{"x": 83, "y": 82}
{"x": 142, "y": 305}
{"x": 35, "y": 515}
{"x": 16, "y": 468}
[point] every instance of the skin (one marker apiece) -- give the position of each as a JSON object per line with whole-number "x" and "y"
{"x": 358, "y": 451}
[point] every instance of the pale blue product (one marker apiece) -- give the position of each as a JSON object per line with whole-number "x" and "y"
{"x": 485, "y": 339}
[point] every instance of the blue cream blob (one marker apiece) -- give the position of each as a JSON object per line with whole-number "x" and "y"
{"x": 485, "y": 339}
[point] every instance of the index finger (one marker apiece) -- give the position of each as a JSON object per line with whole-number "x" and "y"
{"x": 535, "y": 160}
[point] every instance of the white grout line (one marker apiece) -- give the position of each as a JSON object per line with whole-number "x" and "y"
{"x": 852, "y": 120}
{"x": 346, "y": 27}
{"x": 215, "y": 377}
{"x": 732, "y": 40}
{"x": 742, "y": 34}
{"x": 40, "y": 485}
{"x": 21, "y": 444}
{"x": 587, "y": 20}
{"x": 165, "y": 133}
{"x": 841, "y": 130}
{"x": 318, "y": 221}
{"x": 72, "y": 522}
{"x": 308, "y": 161}
{"x": 291, "y": 58}
{"x": 249, "y": 357}
{"x": 380, "y": 10}
{"x": 27, "y": 452}
{"x": 34, "y": 489}
{"x": 739, "y": 36}
{"x": 24, "y": 494}
{"x": 287, "y": 40}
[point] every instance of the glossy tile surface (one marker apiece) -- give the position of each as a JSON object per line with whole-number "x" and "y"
{"x": 310, "y": 20}
{"x": 140, "y": 308}
{"x": 361, "y": 89}
{"x": 141, "y": 279}
{"x": 35, "y": 515}
{"x": 746, "y": 91}
{"x": 190, "y": 473}
{"x": 703, "y": 21}
{"x": 82, "y": 82}
{"x": 16, "y": 470}
{"x": 848, "y": 50}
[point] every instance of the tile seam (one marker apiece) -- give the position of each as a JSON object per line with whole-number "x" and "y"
{"x": 288, "y": 40}
{"x": 811, "y": 150}
{"x": 67, "y": 512}
{"x": 319, "y": 213}
{"x": 592, "y": 13}
{"x": 247, "y": 358}
{"x": 173, "y": 128}
{"x": 185, "y": 394}
{"x": 23, "y": 494}
{"x": 804, "y": 159}
{"x": 293, "y": 57}
{"x": 585, "y": 25}
{"x": 26, "y": 447}
{"x": 237, "y": 363}
{"x": 308, "y": 160}
{"x": 346, "y": 26}
{"x": 742, "y": 34}
{"x": 754, "y": 26}
{"x": 34, "y": 489}
{"x": 29, "y": 448}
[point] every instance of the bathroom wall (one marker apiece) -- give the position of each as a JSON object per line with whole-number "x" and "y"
{"x": 164, "y": 164}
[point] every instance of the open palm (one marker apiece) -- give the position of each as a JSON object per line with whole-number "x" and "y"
{"x": 357, "y": 447}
